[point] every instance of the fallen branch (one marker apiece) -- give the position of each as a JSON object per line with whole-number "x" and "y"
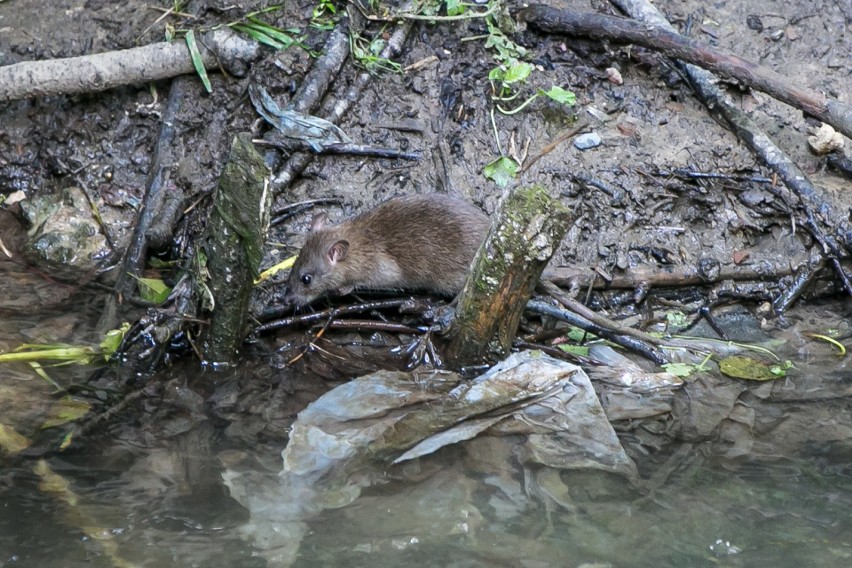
{"x": 325, "y": 314}
{"x": 672, "y": 44}
{"x": 669, "y": 276}
{"x": 103, "y": 71}
{"x": 625, "y": 340}
{"x": 597, "y": 319}
{"x": 343, "y": 148}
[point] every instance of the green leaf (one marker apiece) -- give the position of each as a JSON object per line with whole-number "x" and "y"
{"x": 560, "y": 95}
{"x": 259, "y": 36}
{"x": 501, "y": 171}
{"x": 112, "y": 339}
{"x": 197, "y": 61}
{"x": 681, "y": 369}
{"x": 273, "y": 32}
{"x": 676, "y": 321}
{"x": 496, "y": 74}
{"x": 153, "y": 290}
{"x": 579, "y": 350}
{"x": 455, "y": 8}
{"x": 577, "y": 334}
{"x": 517, "y": 71}
{"x": 376, "y": 46}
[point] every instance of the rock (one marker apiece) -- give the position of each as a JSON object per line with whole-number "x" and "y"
{"x": 587, "y": 141}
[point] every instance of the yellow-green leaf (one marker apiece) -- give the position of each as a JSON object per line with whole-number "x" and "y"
{"x": 112, "y": 339}
{"x": 66, "y": 410}
{"x": 10, "y": 441}
{"x": 740, "y": 367}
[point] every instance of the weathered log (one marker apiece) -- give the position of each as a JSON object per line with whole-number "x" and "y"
{"x": 233, "y": 247}
{"x": 528, "y": 229}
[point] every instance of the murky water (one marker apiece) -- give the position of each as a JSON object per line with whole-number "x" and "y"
{"x": 133, "y": 499}
{"x": 796, "y": 511}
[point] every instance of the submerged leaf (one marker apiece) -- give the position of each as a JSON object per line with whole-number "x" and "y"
{"x": 10, "y": 441}
{"x": 66, "y": 410}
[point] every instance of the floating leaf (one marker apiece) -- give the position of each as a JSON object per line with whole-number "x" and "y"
{"x": 501, "y": 171}
{"x": 740, "y": 367}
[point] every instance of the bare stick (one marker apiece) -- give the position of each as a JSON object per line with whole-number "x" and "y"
{"x": 628, "y": 341}
{"x": 103, "y": 71}
{"x": 669, "y": 276}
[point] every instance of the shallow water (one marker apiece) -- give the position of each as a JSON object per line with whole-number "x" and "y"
{"x": 140, "y": 498}
{"x": 796, "y": 511}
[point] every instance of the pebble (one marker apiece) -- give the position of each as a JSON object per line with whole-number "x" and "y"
{"x": 586, "y": 141}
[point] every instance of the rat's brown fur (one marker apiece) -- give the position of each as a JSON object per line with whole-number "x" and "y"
{"x": 422, "y": 242}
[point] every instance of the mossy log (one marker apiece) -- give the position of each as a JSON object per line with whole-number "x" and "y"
{"x": 527, "y": 231}
{"x": 233, "y": 248}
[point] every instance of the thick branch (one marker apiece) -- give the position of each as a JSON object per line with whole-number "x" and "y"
{"x": 103, "y": 71}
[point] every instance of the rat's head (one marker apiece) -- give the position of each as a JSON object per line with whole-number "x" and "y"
{"x": 317, "y": 270}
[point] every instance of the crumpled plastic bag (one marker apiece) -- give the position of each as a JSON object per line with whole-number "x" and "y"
{"x": 345, "y": 440}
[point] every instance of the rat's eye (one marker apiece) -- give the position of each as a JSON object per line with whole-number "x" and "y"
{"x": 306, "y": 279}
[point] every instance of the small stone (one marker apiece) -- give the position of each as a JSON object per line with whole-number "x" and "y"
{"x": 825, "y": 140}
{"x": 754, "y": 23}
{"x": 586, "y": 141}
{"x": 614, "y": 76}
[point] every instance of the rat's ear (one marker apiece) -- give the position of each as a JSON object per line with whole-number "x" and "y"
{"x": 319, "y": 221}
{"x": 338, "y": 251}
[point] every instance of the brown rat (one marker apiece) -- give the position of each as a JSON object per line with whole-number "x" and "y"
{"x": 419, "y": 242}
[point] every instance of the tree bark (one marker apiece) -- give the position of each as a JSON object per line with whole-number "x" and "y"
{"x": 528, "y": 230}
